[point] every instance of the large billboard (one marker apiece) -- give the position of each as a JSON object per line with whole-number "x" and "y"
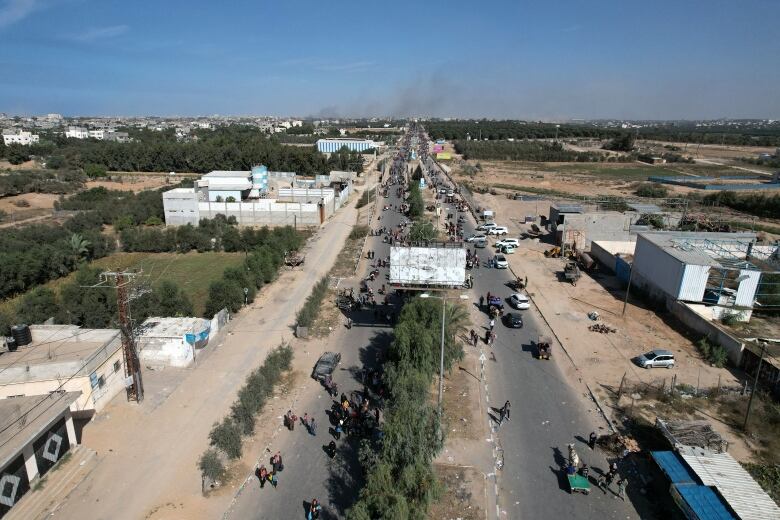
{"x": 443, "y": 266}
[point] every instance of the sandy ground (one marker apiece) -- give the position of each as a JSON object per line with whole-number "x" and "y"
{"x": 37, "y": 201}
{"x": 133, "y": 183}
{"x": 712, "y": 151}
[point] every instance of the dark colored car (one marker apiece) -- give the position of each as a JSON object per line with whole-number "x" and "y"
{"x": 512, "y": 320}
{"x": 495, "y": 301}
{"x": 326, "y": 365}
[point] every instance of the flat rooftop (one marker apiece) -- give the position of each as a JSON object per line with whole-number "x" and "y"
{"x": 25, "y": 418}
{"x": 227, "y": 173}
{"x": 59, "y": 351}
{"x": 171, "y": 327}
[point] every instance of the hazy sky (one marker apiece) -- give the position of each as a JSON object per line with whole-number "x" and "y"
{"x": 490, "y": 58}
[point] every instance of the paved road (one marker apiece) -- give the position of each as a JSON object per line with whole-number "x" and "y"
{"x": 546, "y": 414}
{"x": 309, "y": 472}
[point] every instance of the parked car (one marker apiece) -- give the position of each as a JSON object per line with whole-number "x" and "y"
{"x": 495, "y": 301}
{"x": 512, "y": 320}
{"x": 475, "y": 237}
{"x": 520, "y": 301}
{"x": 480, "y": 242}
{"x": 508, "y": 242}
{"x": 325, "y": 365}
{"x": 498, "y": 230}
{"x": 656, "y": 358}
{"x": 486, "y": 226}
{"x": 507, "y": 250}
{"x": 500, "y": 262}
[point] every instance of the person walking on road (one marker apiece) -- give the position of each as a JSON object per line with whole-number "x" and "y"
{"x": 492, "y": 324}
{"x": 505, "y": 410}
{"x": 622, "y": 484}
{"x": 305, "y": 420}
{"x": 314, "y": 510}
{"x": 481, "y": 302}
{"x": 313, "y": 427}
{"x": 592, "y": 440}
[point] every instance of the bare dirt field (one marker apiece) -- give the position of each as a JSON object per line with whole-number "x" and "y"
{"x": 711, "y": 151}
{"x": 133, "y": 183}
{"x": 36, "y": 201}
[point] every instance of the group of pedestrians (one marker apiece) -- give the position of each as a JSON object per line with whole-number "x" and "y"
{"x": 264, "y": 475}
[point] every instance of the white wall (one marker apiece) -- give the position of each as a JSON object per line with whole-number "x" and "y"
{"x": 656, "y": 267}
{"x": 746, "y": 292}
{"x": 694, "y": 281}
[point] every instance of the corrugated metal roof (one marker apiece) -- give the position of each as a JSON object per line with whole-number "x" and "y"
{"x": 704, "y": 502}
{"x": 733, "y": 482}
{"x": 672, "y": 465}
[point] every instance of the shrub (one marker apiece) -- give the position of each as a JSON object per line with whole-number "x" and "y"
{"x": 358, "y": 232}
{"x": 210, "y": 465}
{"x": 713, "y": 353}
{"x": 311, "y": 308}
{"x": 652, "y": 190}
{"x": 226, "y": 436}
{"x": 364, "y": 199}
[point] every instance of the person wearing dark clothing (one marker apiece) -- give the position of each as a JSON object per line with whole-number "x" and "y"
{"x": 592, "y": 440}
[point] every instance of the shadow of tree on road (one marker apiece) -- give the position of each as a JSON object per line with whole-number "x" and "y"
{"x": 345, "y": 476}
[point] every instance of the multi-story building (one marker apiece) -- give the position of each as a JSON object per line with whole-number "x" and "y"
{"x": 21, "y": 137}
{"x": 77, "y": 132}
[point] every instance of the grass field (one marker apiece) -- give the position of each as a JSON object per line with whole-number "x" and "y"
{"x": 193, "y": 272}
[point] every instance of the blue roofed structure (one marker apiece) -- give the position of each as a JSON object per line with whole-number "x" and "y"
{"x": 700, "y": 502}
{"x": 674, "y": 468}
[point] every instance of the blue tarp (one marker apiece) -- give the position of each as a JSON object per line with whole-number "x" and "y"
{"x": 700, "y": 502}
{"x": 674, "y": 467}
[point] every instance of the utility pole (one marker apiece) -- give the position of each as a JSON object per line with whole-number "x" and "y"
{"x": 121, "y": 280}
{"x": 630, "y": 276}
{"x": 755, "y": 386}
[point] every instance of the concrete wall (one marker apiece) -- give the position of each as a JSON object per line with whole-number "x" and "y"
{"x": 698, "y": 323}
{"x": 605, "y": 250}
{"x": 584, "y": 228}
{"x": 91, "y": 398}
{"x": 175, "y": 352}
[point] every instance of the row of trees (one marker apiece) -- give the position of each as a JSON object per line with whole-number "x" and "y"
{"x": 415, "y": 201}
{"x": 239, "y": 285}
{"x": 226, "y": 148}
{"x": 680, "y": 132}
{"x": 400, "y": 482}
{"x": 41, "y": 181}
{"x": 78, "y": 303}
{"x": 118, "y": 208}
{"x": 525, "y": 151}
{"x": 760, "y": 205}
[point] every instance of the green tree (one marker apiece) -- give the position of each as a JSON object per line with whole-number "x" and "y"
{"x": 17, "y": 154}
{"x": 415, "y": 201}
{"x": 224, "y": 294}
{"x": 226, "y": 436}
{"x": 79, "y": 247}
{"x": 210, "y": 465}
{"x": 422, "y": 231}
{"x": 85, "y": 305}
{"x": 94, "y": 171}
{"x": 171, "y": 300}
{"x": 37, "y": 306}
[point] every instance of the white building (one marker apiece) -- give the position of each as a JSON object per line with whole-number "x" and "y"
{"x": 69, "y": 358}
{"x": 247, "y": 196}
{"x": 172, "y": 341}
{"x": 77, "y": 132}
{"x": 355, "y": 145}
{"x": 97, "y": 134}
{"x": 21, "y": 137}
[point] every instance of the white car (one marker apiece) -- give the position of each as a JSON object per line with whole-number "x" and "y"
{"x": 499, "y": 262}
{"x": 508, "y": 242}
{"x": 520, "y": 301}
{"x": 507, "y": 250}
{"x": 486, "y": 226}
{"x": 498, "y": 230}
{"x": 475, "y": 237}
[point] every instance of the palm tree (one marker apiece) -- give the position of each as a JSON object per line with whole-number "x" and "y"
{"x": 79, "y": 246}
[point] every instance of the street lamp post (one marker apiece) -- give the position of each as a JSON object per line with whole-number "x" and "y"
{"x": 443, "y": 299}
